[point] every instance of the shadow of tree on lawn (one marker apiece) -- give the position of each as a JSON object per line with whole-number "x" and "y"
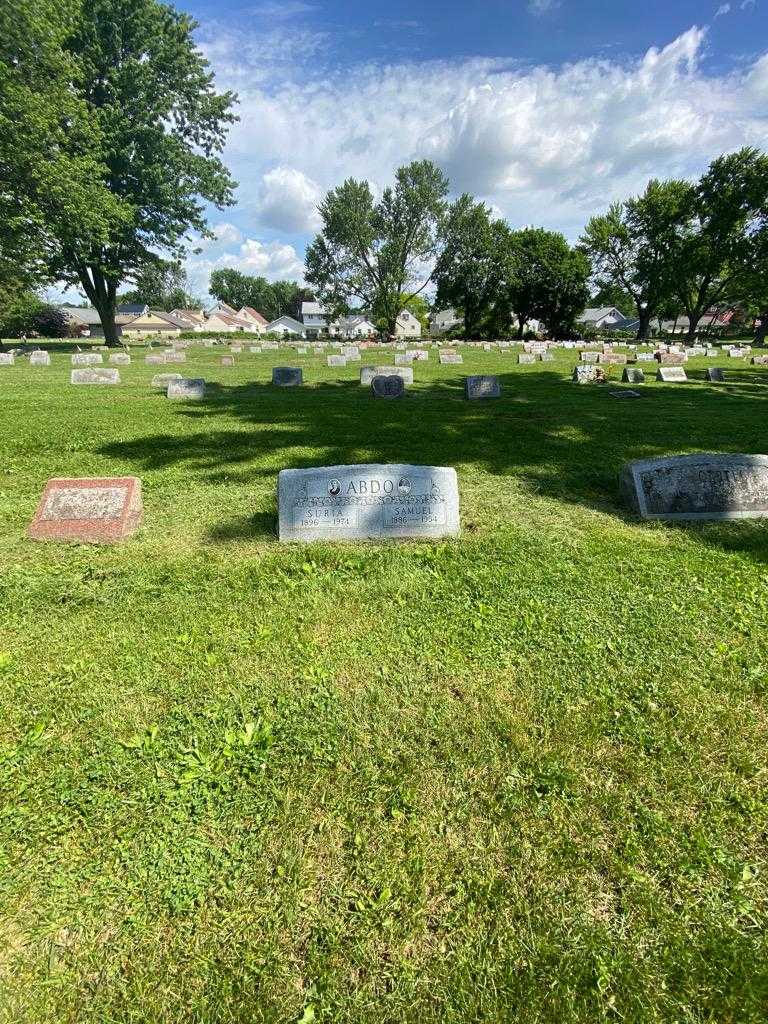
{"x": 559, "y": 439}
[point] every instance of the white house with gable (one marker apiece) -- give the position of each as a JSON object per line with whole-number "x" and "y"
{"x": 286, "y": 325}
{"x": 407, "y": 325}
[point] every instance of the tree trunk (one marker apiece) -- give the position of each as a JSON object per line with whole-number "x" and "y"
{"x": 107, "y": 316}
{"x": 693, "y": 324}
{"x": 644, "y": 326}
{"x": 521, "y": 322}
{"x": 762, "y": 330}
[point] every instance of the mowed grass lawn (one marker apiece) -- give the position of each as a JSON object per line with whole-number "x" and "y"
{"x": 515, "y": 777}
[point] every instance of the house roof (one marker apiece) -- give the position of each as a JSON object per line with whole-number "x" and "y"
{"x": 599, "y": 313}
{"x": 254, "y": 314}
{"x": 224, "y": 308}
{"x": 86, "y": 315}
{"x": 195, "y": 315}
{"x": 287, "y": 321}
{"x": 312, "y": 309}
{"x": 137, "y": 308}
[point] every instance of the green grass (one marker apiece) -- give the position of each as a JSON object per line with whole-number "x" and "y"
{"x": 517, "y": 777}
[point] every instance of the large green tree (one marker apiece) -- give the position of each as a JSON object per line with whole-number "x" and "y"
{"x": 372, "y": 255}
{"x": 630, "y": 250}
{"x": 718, "y": 235}
{"x": 154, "y": 126}
{"x": 161, "y": 285}
{"x": 52, "y": 178}
{"x": 271, "y": 299}
{"x": 544, "y": 279}
{"x": 468, "y": 273}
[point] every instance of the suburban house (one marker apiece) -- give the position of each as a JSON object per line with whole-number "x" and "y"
{"x": 253, "y": 316}
{"x": 133, "y": 309}
{"x": 286, "y": 325}
{"x": 314, "y": 318}
{"x": 196, "y": 317}
{"x": 88, "y": 322}
{"x": 444, "y": 321}
{"x": 353, "y": 327}
{"x": 218, "y": 320}
{"x": 155, "y": 322}
{"x": 605, "y": 318}
{"x": 406, "y": 325}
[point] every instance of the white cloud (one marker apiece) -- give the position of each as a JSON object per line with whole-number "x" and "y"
{"x": 546, "y": 146}
{"x": 223, "y": 234}
{"x": 287, "y": 201}
{"x": 276, "y": 261}
{"x": 539, "y": 7}
{"x": 722, "y": 9}
{"x": 287, "y": 9}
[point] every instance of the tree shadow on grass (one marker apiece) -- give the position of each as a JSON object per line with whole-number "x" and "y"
{"x": 559, "y": 439}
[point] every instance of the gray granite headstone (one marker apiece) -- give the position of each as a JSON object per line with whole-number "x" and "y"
{"x": 760, "y": 360}
{"x": 95, "y": 376}
{"x": 6, "y": 359}
{"x": 481, "y": 386}
{"x": 367, "y": 373}
{"x": 255, "y": 349}
{"x": 351, "y": 352}
{"x": 186, "y": 387}
{"x": 368, "y": 502}
{"x": 120, "y": 359}
{"x": 175, "y": 357}
{"x": 612, "y": 358}
{"x": 671, "y": 374}
{"x": 87, "y": 359}
{"x": 392, "y": 386}
{"x": 645, "y": 357}
{"x": 527, "y": 357}
{"x": 633, "y": 375}
{"x": 715, "y": 375}
{"x": 547, "y": 357}
{"x": 451, "y": 358}
{"x": 156, "y": 360}
{"x": 40, "y": 359}
{"x": 403, "y": 358}
{"x": 162, "y": 380}
{"x": 589, "y": 357}
{"x": 690, "y": 487}
{"x": 287, "y": 376}
{"x": 625, "y": 393}
{"x": 671, "y": 358}
{"x": 337, "y": 360}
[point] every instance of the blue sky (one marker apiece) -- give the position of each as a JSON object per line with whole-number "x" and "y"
{"x": 546, "y": 109}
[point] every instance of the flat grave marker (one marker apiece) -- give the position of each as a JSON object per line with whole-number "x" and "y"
{"x": 87, "y": 359}
{"x": 451, "y": 359}
{"x": 97, "y": 510}
{"x": 697, "y": 487}
{"x": 368, "y": 502}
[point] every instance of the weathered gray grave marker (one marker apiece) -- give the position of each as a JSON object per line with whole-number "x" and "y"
{"x": 287, "y": 376}
{"x": 481, "y": 386}
{"x": 391, "y": 386}
{"x": 671, "y": 374}
{"x": 715, "y": 375}
{"x": 87, "y": 359}
{"x": 186, "y": 387}
{"x": 691, "y": 487}
{"x": 39, "y": 358}
{"x": 633, "y": 375}
{"x": 95, "y": 375}
{"x": 367, "y": 373}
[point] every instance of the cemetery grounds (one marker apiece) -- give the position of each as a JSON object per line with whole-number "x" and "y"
{"x": 516, "y": 776}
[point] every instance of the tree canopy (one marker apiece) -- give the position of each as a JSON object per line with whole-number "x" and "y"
{"x": 271, "y": 298}
{"x": 140, "y": 147}
{"x": 373, "y": 255}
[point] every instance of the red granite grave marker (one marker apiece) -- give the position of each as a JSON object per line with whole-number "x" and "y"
{"x": 96, "y": 510}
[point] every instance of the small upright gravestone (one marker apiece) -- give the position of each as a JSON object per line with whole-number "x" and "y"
{"x": 633, "y": 375}
{"x": 175, "y": 357}
{"x": 235, "y": 349}
{"x": 715, "y": 375}
{"x": 95, "y": 375}
{"x": 671, "y": 358}
{"x": 86, "y": 359}
{"x": 337, "y": 360}
{"x": 703, "y": 486}
{"x": 391, "y": 386}
{"x": 39, "y": 358}
{"x": 671, "y": 374}
{"x": 6, "y": 359}
{"x": 287, "y": 376}
{"x": 186, "y": 387}
{"x": 613, "y": 358}
{"x": 451, "y": 358}
{"x": 97, "y": 510}
{"x": 351, "y": 352}
{"x": 481, "y": 386}
{"x": 527, "y": 357}
{"x": 589, "y": 357}
{"x": 120, "y": 359}
{"x": 588, "y": 373}
{"x": 227, "y": 360}
{"x": 367, "y": 502}
{"x": 403, "y": 359}
{"x": 255, "y": 350}
{"x": 156, "y": 360}
{"x": 760, "y": 360}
